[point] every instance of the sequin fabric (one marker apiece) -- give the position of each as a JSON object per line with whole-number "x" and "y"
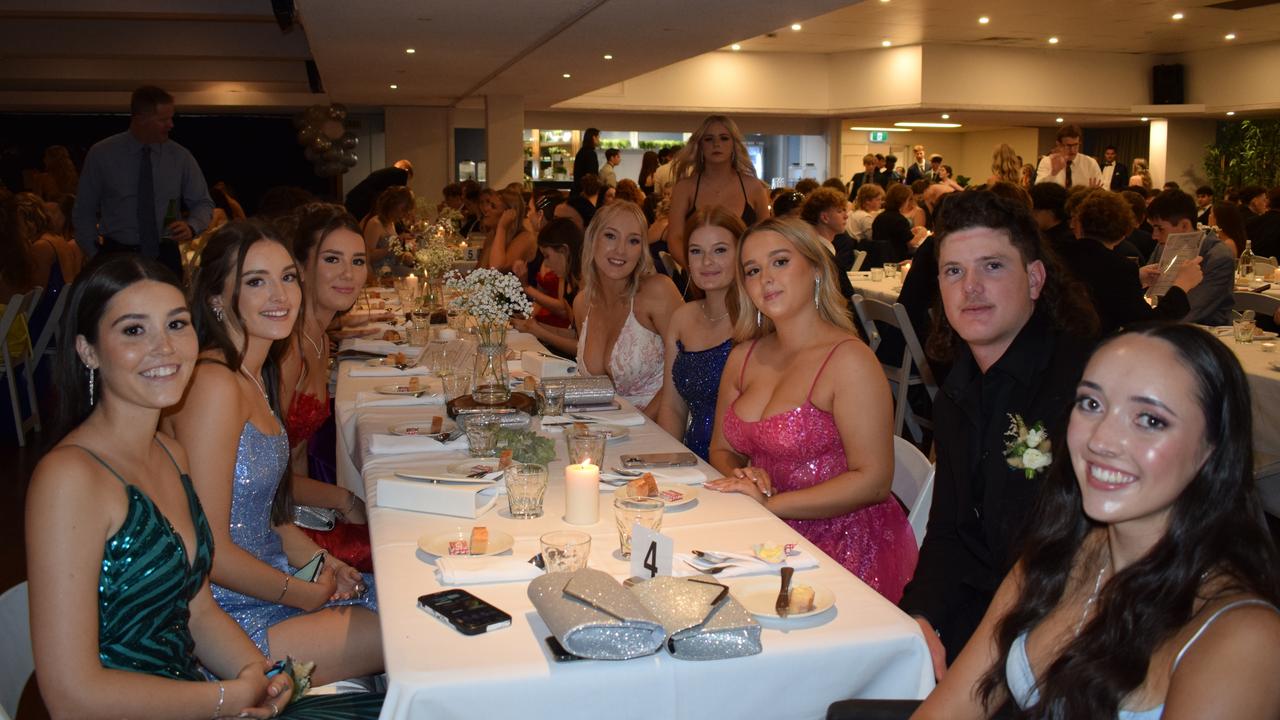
{"x": 696, "y": 375}
{"x": 636, "y": 363}
{"x": 305, "y": 416}
{"x": 801, "y": 448}
{"x": 261, "y": 460}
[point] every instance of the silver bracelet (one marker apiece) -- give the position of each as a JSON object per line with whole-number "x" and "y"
{"x": 222, "y": 695}
{"x": 284, "y": 589}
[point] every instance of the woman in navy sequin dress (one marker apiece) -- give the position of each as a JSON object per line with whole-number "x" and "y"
{"x": 793, "y": 433}
{"x": 698, "y": 338}
{"x": 245, "y": 301}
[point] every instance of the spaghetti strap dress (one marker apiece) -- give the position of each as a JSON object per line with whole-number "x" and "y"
{"x": 145, "y": 587}
{"x": 800, "y": 448}
{"x": 636, "y": 364}
{"x": 748, "y": 213}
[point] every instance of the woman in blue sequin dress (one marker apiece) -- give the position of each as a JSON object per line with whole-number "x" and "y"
{"x": 698, "y": 338}
{"x": 245, "y": 300}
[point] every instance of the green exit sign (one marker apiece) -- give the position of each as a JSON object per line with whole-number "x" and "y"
{"x": 878, "y": 136}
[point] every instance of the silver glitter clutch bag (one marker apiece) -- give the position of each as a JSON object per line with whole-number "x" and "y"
{"x": 595, "y": 617}
{"x": 593, "y": 390}
{"x": 703, "y": 621}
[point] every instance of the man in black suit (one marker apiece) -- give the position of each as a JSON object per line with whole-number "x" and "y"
{"x": 888, "y": 174}
{"x": 918, "y": 170}
{"x": 1264, "y": 230}
{"x": 1204, "y": 204}
{"x": 1115, "y": 176}
{"x": 361, "y": 198}
{"x": 868, "y": 175}
{"x": 1018, "y": 332}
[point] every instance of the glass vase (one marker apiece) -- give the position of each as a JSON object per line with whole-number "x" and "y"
{"x": 490, "y": 379}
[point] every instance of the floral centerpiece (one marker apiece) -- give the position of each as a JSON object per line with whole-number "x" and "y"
{"x": 492, "y": 298}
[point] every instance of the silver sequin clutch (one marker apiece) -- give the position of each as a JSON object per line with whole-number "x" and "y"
{"x": 594, "y": 617}
{"x": 591, "y": 390}
{"x": 703, "y": 621}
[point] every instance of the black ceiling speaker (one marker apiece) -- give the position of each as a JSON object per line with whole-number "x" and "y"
{"x": 285, "y": 14}
{"x": 1167, "y": 85}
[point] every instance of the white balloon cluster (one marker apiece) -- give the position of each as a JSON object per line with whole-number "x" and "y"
{"x": 327, "y": 143}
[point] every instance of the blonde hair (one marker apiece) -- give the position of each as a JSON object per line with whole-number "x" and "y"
{"x": 690, "y": 158}
{"x": 1004, "y": 163}
{"x": 866, "y": 193}
{"x": 750, "y": 322}
{"x": 605, "y": 215}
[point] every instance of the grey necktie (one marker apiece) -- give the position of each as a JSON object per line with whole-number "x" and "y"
{"x": 148, "y": 233}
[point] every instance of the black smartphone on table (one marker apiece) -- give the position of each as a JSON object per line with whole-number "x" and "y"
{"x": 467, "y": 613}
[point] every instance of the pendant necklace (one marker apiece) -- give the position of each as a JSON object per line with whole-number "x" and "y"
{"x": 712, "y": 319}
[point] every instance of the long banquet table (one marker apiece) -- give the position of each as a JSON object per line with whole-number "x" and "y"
{"x": 863, "y": 647}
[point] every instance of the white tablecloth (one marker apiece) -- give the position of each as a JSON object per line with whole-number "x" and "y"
{"x": 1264, "y": 387}
{"x": 863, "y": 647}
{"x": 882, "y": 290}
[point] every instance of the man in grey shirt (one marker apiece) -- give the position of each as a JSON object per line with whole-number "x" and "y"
{"x": 135, "y": 184}
{"x": 1174, "y": 211}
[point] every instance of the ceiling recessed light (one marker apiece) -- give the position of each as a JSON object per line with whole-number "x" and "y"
{"x": 879, "y": 129}
{"x": 1145, "y": 119}
{"x": 394, "y": 86}
{"x": 1178, "y": 16}
{"x": 566, "y": 75}
{"x": 1230, "y": 36}
{"x": 1057, "y": 119}
{"x": 795, "y": 26}
{"x": 1053, "y": 41}
{"x": 608, "y": 57}
{"x": 735, "y": 47}
{"x": 927, "y": 125}
{"x": 1231, "y": 112}
{"x": 945, "y": 116}
{"x": 984, "y": 20}
{"x": 885, "y": 43}
{"x": 410, "y": 50}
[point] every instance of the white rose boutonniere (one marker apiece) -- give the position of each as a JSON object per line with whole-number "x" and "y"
{"x": 1027, "y": 447}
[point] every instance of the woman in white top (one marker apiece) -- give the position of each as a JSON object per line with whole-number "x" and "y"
{"x": 1159, "y": 599}
{"x": 623, "y": 309}
{"x": 866, "y": 205}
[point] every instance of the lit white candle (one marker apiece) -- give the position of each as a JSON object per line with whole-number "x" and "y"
{"x": 412, "y": 283}
{"x": 582, "y": 494}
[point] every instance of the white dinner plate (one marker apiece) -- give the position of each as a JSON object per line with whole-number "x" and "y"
{"x": 673, "y": 496}
{"x": 386, "y": 362}
{"x": 404, "y": 389}
{"x": 612, "y": 432}
{"x": 419, "y": 427}
{"x": 466, "y": 467}
{"x": 758, "y": 596}
{"x": 438, "y": 545}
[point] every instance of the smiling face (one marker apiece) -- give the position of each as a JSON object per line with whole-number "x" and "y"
{"x": 1136, "y": 438}
{"x": 491, "y": 207}
{"x": 269, "y": 293}
{"x": 988, "y": 290}
{"x": 618, "y": 247}
{"x": 711, "y": 257}
{"x": 337, "y": 271}
{"x": 717, "y": 144}
{"x": 146, "y": 346}
{"x": 777, "y": 278}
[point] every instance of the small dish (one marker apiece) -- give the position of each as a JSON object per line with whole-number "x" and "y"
{"x": 674, "y": 496}
{"x": 758, "y": 596}
{"x": 438, "y": 544}
{"x": 419, "y": 427}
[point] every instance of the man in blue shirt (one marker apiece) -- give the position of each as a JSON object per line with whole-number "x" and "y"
{"x": 135, "y": 183}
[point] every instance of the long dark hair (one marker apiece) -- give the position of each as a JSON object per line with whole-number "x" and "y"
{"x": 564, "y": 234}
{"x": 1063, "y": 297}
{"x": 99, "y": 281}
{"x": 223, "y": 257}
{"x": 1216, "y": 531}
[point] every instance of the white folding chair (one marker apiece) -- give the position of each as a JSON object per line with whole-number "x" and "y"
{"x": 1257, "y": 302}
{"x": 859, "y": 257}
{"x": 41, "y": 347}
{"x": 913, "y": 483}
{"x": 913, "y": 369}
{"x": 19, "y": 306}
{"x": 16, "y": 662}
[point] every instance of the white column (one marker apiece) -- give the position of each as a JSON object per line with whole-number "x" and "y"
{"x": 1158, "y": 151}
{"x": 423, "y": 136}
{"x": 504, "y": 139}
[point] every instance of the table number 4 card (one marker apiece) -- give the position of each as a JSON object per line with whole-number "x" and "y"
{"x": 652, "y": 552}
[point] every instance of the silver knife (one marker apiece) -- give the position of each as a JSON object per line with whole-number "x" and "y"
{"x": 783, "y": 603}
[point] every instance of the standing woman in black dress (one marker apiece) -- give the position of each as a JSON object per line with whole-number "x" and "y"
{"x": 586, "y": 162}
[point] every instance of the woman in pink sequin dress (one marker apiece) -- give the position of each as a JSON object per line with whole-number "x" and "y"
{"x": 792, "y": 431}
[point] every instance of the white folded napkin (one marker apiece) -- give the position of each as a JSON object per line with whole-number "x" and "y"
{"x": 380, "y": 444}
{"x": 626, "y": 418}
{"x": 388, "y": 371}
{"x": 374, "y": 399}
{"x": 488, "y": 569}
{"x": 740, "y": 564}
{"x": 376, "y": 347}
{"x": 672, "y": 475}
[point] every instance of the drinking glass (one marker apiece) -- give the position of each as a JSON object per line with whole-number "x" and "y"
{"x": 419, "y": 331}
{"x": 1243, "y": 330}
{"x": 585, "y": 446}
{"x": 629, "y": 511}
{"x": 456, "y": 385}
{"x": 552, "y": 396}
{"x": 890, "y": 271}
{"x": 482, "y": 435}
{"x": 526, "y": 484}
{"x": 877, "y": 274}
{"x": 565, "y": 550}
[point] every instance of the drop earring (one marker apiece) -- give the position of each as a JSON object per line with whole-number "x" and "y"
{"x": 218, "y": 314}
{"x": 817, "y": 287}
{"x": 91, "y": 372}
{"x": 759, "y": 319}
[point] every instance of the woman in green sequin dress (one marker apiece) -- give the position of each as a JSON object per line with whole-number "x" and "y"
{"x": 118, "y": 549}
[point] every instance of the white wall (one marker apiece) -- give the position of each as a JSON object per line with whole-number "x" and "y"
{"x": 1236, "y": 78}
{"x": 878, "y": 79}
{"x": 424, "y": 137}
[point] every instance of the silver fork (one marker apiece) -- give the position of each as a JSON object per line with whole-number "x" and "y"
{"x": 710, "y": 570}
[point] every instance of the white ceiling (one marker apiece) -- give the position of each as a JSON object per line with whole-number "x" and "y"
{"x": 1138, "y": 26}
